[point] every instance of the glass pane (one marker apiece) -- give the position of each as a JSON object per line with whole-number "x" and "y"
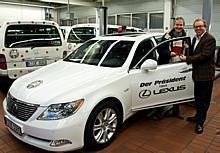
{"x": 80, "y": 52}
{"x": 111, "y": 20}
{"x": 92, "y": 20}
{"x": 32, "y": 36}
{"x": 139, "y": 20}
{"x": 124, "y": 19}
{"x": 156, "y": 21}
{"x": 118, "y": 54}
{"x": 82, "y": 20}
{"x": 75, "y": 21}
{"x": 81, "y": 34}
{"x": 112, "y": 30}
{"x": 97, "y": 51}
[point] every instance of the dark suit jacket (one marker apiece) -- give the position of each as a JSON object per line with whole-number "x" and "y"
{"x": 202, "y": 58}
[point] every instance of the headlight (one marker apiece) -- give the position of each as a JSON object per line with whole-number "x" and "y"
{"x": 60, "y": 111}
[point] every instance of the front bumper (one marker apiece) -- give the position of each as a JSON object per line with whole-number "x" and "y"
{"x": 42, "y": 133}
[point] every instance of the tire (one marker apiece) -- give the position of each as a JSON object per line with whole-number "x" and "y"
{"x": 102, "y": 125}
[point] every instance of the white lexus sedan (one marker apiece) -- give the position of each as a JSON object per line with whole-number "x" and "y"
{"x": 82, "y": 100}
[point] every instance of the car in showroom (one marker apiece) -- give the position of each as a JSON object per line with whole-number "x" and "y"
{"x": 77, "y": 34}
{"x": 82, "y": 100}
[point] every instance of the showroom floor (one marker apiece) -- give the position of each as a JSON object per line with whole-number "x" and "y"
{"x": 143, "y": 135}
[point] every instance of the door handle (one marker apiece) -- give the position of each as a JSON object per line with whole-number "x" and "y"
{"x": 186, "y": 70}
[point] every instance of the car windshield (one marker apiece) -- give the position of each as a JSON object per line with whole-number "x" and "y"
{"x": 32, "y": 36}
{"x": 81, "y": 34}
{"x": 108, "y": 53}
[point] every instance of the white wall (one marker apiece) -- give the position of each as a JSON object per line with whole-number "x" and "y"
{"x": 189, "y": 10}
{"x": 17, "y": 12}
{"x": 117, "y": 7}
{"x": 215, "y": 22}
{"x": 192, "y": 10}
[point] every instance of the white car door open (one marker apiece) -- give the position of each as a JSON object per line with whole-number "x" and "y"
{"x": 166, "y": 84}
{"x": 170, "y": 83}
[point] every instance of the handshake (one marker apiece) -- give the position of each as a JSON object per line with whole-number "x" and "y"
{"x": 182, "y": 57}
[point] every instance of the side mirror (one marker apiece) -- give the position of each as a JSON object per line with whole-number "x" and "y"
{"x": 149, "y": 64}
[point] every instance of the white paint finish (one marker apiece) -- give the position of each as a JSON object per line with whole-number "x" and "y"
{"x": 93, "y": 84}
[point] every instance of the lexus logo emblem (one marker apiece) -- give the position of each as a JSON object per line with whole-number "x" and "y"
{"x": 144, "y": 94}
{"x": 34, "y": 84}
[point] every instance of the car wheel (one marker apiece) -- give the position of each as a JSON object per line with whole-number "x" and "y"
{"x": 102, "y": 125}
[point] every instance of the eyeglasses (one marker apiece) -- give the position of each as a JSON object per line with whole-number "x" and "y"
{"x": 199, "y": 26}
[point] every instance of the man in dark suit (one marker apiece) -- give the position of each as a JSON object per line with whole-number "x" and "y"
{"x": 202, "y": 59}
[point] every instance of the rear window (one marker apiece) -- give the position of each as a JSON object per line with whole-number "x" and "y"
{"x": 32, "y": 36}
{"x": 81, "y": 34}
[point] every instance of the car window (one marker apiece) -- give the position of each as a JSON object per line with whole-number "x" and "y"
{"x": 118, "y": 54}
{"x": 143, "y": 48}
{"x": 112, "y": 30}
{"x": 108, "y": 53}
{"x": 177, "y": 45}
{"x": 81, "y": 34}
{"x": 32, "y": 36}
{"x": 80, "y": 52}
{"x": 96, "y": 52}
{"x": 91, "y": 52}
{"x": 157, "y": 50}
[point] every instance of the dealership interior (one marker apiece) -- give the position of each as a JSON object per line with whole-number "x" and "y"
{"x": 68, "y": 24}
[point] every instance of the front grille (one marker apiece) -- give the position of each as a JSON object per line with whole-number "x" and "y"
{"x": 19, "y": 109}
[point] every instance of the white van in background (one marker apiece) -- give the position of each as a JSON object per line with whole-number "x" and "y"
{"x": 80, "y": 33}
{"x": 28, "y": 45}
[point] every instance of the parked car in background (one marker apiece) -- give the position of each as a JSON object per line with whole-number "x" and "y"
{"x": 65, "y": 30}
{"x": 80, "y": 33}
{"x": 83, "y": 99}
{"x": 28, "y": 45}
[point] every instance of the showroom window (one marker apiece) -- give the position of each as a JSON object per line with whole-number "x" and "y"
{"x": 124, "y": 19}
{"x": 156, "y": 20}
{"x": 140, "y": 20}
{"x": 92, "y": 19}
{"x": 143, "y": 20}
{"x": 111, "y": 20}
{"x": 82, "y": 20}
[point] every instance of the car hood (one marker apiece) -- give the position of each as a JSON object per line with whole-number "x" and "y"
{"x": 61, "y": 82}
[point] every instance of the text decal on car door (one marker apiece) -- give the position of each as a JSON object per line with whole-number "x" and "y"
{"x": 146, "y": 93}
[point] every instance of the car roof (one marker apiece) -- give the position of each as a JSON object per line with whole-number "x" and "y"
{"x": 41, "y": 22}
{"x": 97, "y": 25}
{"x": 131, "y": 36}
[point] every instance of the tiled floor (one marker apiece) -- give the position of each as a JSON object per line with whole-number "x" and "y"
{"x": 143, "y": 135}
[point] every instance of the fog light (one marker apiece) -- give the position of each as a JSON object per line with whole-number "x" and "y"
{"x": 57, "y": 143}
